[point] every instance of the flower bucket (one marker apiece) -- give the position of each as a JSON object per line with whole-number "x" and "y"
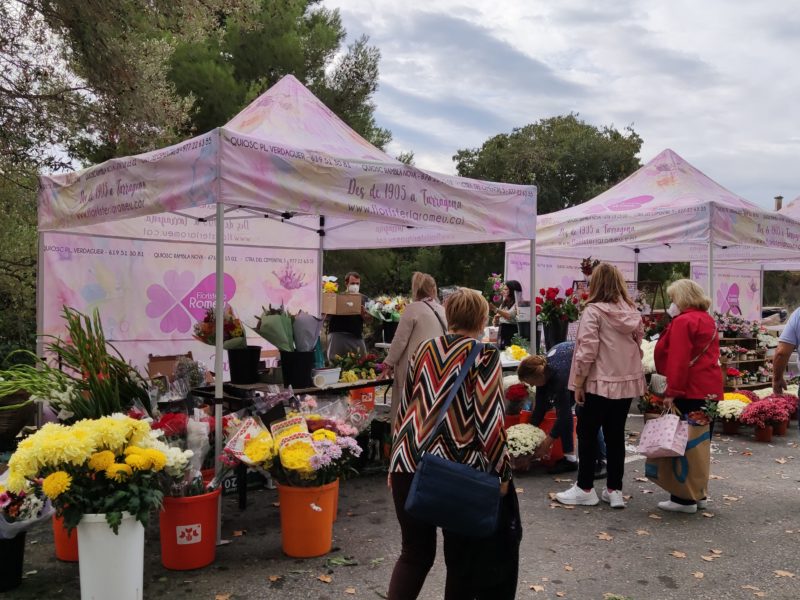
{"x": 66, "y": 542}
{"x": 730, "y": 427}
{"x": 511, "y": 420}
{"x": 307, "y": 515}
{"x": 522, "y": 463}
{"x": 764, "y": 434}
{"x": 556, "y": 451}
{"x": 243, "y": 364}
{"x": 12, "y": 555}
{"x": 296, "y": 368}
{"x": 111, "y": 565}
{"x": 363, "y": 399}
{"x": 780, "y": 427}
{"x": 555, "y": 333}
{"x": 189, "y": 531}
{"x": 525, "y": 416}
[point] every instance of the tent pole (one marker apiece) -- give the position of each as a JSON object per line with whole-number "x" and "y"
{"x": 761, "y": 293}
{"x": 39, "y": 314}
{"x": 710, "y": 264}
{"x": 534, "y": 323}
{"x": 320, "y": 265}
{"x": 636, "y": 264}
{"x": 219, "y": 307}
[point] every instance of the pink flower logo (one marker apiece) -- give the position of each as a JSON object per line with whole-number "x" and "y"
{"x": 189, "y": 534}
{"x": 176, "y": 303}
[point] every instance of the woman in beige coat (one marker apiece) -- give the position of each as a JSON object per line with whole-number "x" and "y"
{"x": 422, "y": 320}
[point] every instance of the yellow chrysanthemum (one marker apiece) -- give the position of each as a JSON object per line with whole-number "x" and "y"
{"x": 118, "y": 472}
{"x": 100, "y": 461}
{"x": 133, "y": 450}
{"x": 158, "y": 459}
{"x": 737, "y": 396}
{"x": 260, "y": 449}
{"x": 138, "y": 462}
{"x": 16, "y": 482}
{"x": 56, "y": 484}
{"x": 297, "y": 457}
{"x": 321, "y": 435}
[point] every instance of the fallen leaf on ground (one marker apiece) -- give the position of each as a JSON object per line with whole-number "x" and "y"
{"x": 537, "y": 588}
{"x": 239, "y": 532}
{"x": 375, "y": 562}
{"x": 627, "y": 497}
{"x": 569, "y": 568}
{"x": 559, "y": 505}
{"x": 750, "y": 587}
{"x": 560, "y": 594}
{"x": 644, "y": 479}
{"x": 760, "y": 594}
{"x": 350, "y": 591}
{"x": 642, "y": 532}
{"x": 647, "y": 491}
{"x": 747, "y": 453}
{"x": 520, "y": 490}
{"x": 678, "y": 554}
{"x": 730, "y": 498}
{"x": 656, "y": 517}
{"x": 551, "y": 495}
{"x": 781, "y": 461}
{"x": 604, "y": 536}
{"x": 561, "y": 480}
{"x": 708, "y": 558}
{"x": 715, "y": 477}
{"x": 708, "y": 515}
{"x": 698, "y": 574}
{"x": 717, "y": 552}
{"x": 222, "y": 597}
{"x": 274, "y": 578}
{"x": 545, "y": 579}
{"x": 783, "y": 573}
{"x": 325, "y": 578}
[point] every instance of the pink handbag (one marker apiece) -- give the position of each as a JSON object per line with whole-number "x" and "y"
{"x": 663, "y": 437}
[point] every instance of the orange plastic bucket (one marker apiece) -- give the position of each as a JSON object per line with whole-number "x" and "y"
{"x": 557, "y": 451}
{"x": 307, "y": 516}
{"x": 66, "y": 542}
{"x": 363, "y": 397}
{"x": 189, "y": 531}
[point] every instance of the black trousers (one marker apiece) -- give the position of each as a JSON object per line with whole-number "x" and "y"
{"x": 477, "y": 569}
{"x": 610, "y": 415}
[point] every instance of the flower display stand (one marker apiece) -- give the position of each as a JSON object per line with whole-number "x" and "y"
{"x": 764, "y": 434}
{"x": 188, "y": 529}
{"x": 111, "y": 565}
{"x": 66, "y": 542}
{"x": 12, "y": 555}
{"x": 307, "y": 515}
{"x": 747, "y": 364}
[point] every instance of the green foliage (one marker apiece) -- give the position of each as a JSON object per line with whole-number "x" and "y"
{"x": 782, "y": 288}
{"x": 569, "y": 160}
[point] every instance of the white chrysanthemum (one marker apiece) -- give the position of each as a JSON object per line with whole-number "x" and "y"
{"x": 524, "y": 439}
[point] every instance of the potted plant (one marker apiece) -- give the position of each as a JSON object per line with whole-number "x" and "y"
{"x": 387, "y": 311}
{"x": 728, "y": 411}
{"x": 762, "y": 415}
{"x": 650, "y": 405}
{"x": 556, "y": 311}
{"x": 734, "y": 377}
{"x": 731, "y": 326}
{"x": 101, "y": 475}
{"x": 523, "y": 439}
{"x": 789, "y": 402}
{"x": 764, "y": 374}
{"x": 19, "y": 511}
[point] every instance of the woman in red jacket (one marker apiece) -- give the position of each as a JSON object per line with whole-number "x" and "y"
{"x": 687, "y": 353}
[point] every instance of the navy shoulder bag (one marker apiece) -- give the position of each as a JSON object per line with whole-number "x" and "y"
{"x": 451, "y": 495}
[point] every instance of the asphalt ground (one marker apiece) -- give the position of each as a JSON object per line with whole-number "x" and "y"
{"x": 745, "y": 545}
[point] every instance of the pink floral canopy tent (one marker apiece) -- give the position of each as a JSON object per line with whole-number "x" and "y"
{"x": 667, "y": 211}
{"x": 297, "y": 175}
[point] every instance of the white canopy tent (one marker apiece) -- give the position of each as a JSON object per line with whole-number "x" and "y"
{"x": 667, "y": 211}
{"x": 301, "y": 177}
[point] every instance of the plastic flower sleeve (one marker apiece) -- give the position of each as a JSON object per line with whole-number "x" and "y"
{"x": 9, "y": 530}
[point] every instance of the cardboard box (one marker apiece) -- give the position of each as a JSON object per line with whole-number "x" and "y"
{"x": 341, "y": 304}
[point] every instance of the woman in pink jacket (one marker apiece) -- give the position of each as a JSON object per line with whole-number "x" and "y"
{"x": 606, "y": 375}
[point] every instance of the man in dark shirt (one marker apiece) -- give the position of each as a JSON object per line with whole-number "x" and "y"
{"x": 345, "y": 332}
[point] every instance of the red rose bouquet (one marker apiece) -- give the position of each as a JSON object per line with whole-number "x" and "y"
{"x": 552, "y": 306}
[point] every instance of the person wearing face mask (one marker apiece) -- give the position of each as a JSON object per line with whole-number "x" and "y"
{"x": 346, "y": 332}
{"x": 687, "y": 353}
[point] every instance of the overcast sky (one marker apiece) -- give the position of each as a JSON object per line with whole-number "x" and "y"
{"x": 716, "y": 81}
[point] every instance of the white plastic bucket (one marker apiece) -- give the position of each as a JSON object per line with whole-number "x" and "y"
{"x": 111, "y": 566}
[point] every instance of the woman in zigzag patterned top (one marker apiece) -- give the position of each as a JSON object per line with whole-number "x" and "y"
{"x": 472, "y": 434}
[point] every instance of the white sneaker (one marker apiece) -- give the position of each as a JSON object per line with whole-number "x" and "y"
{"x": 614, "y": 498}
{"x": 576, "y": 496}
{"x": 702, "y": 504}
{"x": 671, "y": 506}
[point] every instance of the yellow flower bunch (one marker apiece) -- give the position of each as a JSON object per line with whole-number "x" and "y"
{"x": 100, "y": 461}
{"x": 330, "y": 287}
{"x": 321, "y": 435}
{"x": 516, "y": 352}
{"x": 297, "y": 457}
{"x": 118, "y": 472}
{"x": 348, "y": 377}
{"x": 56, "y": 484}
{"x": 260, "y": 450}
{"x": 737, "y": 396}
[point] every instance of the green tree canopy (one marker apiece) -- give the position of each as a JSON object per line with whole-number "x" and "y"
{"x": 569, "y": 160}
